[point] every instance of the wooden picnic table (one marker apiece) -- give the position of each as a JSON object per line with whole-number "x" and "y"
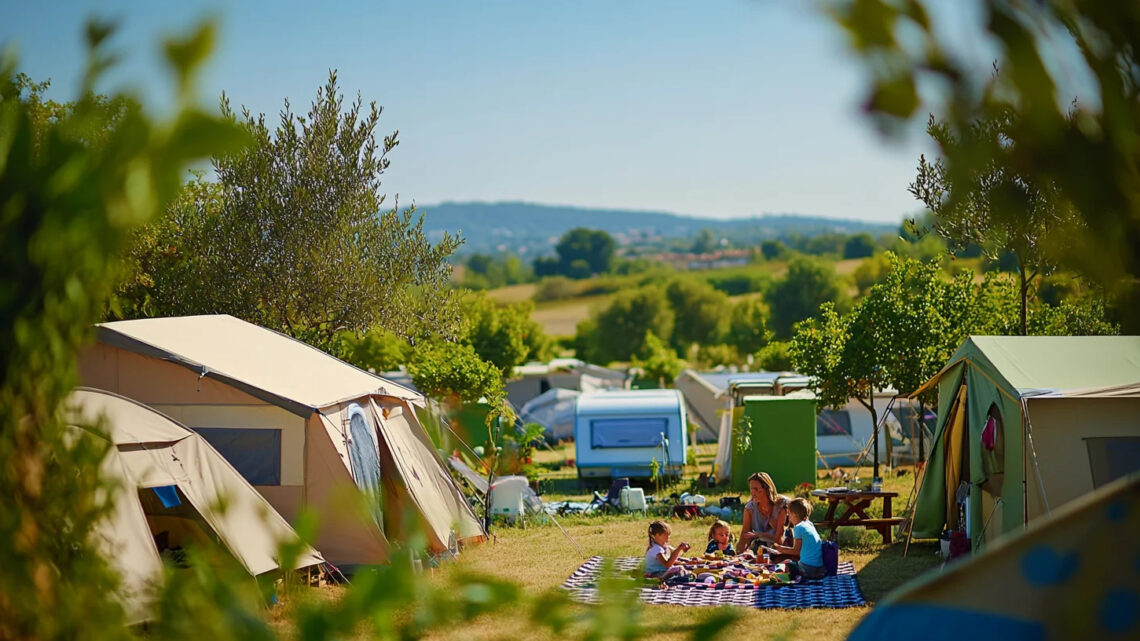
{"x": 857, "y": 502}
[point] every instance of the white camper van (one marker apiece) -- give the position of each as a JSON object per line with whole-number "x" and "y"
{"x": 620, "y": 433}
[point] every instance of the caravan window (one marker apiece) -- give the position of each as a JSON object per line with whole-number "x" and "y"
{"x": 627, "y": 432}
{"x": 833, "y": 423}
{"x": 1113, "y": 458}
{"x": 254, "y": 453}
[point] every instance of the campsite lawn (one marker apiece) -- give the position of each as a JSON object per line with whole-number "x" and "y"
{"x": 538, "y": 557}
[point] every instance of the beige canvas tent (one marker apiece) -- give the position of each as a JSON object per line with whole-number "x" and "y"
{"x": 1027, "y": 424}
{"x": 306, "y": 429}
{"x": 173, "y": 488}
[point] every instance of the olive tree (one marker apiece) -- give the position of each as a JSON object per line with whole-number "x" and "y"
{"x": 295, "y": 235}
{"x": 993, "y": 205}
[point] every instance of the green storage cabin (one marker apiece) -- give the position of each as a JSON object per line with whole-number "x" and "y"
{"x": 782, "y": 434}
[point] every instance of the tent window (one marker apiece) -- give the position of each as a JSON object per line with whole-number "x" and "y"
{"x": 993, "y": 443}
{"x": 627, "y": 432}
{"x": 907, "y": 416}
{"x": 1112, "y": 458}
{"x": 254, "y": 453}
{"x": 833, "y": 423}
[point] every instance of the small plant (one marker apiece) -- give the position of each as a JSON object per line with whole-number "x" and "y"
{"x": 742, "y": 438}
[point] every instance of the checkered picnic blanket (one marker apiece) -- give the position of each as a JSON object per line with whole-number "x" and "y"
{"x": 840, "y": 591}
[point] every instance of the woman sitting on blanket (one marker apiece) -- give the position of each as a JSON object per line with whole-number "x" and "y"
{"x": 765, "y": 516}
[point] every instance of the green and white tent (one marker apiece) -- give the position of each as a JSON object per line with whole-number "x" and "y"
{"x": 1030, "y": 423}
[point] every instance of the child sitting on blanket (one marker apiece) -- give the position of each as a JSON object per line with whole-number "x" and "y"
{"x": 720, "y": 539}
{"x": 806, "y": 545}
{"x": 660, "y": 556}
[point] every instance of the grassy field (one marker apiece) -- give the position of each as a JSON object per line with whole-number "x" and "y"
{"x": 537, "y": 557}
{"x": 561, "y": 317}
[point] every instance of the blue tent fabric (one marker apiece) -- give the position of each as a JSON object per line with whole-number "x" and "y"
{"x": 168, "y": 494}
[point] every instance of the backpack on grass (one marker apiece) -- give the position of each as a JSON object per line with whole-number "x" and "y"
{"x": 830, "y": 552}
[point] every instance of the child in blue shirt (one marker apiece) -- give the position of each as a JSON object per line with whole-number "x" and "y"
{"x": 806, "y": 545}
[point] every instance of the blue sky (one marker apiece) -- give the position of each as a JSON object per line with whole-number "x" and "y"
{"x": 719, "y": 108}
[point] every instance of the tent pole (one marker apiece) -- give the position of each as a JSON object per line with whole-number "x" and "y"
{"x": 1036, "y": 466}
{"x": 580, "y": 550}
{"x": 1025, "y": 463}
{"x": 921, "y": 431}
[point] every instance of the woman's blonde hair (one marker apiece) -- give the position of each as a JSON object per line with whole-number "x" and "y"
{"x": 718, "y": 525}
{"x": 769, "y": 487}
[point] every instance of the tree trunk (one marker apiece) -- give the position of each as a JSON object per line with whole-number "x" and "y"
{"x": 1024, "y": 295}
{"x": 874, "y": 430}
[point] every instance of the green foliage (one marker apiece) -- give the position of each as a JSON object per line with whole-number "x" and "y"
{"x": 710, "y": 356}
{"x": 581, "y": 253}
{"x": 618, "y": 331}
{"x": 629, "y": 266}
{"x": 736, "y": 283}
{"x": 859, "y": 246}
{"x": 809, "y": 283}
{"x": 455, "y": 372}
{"x": 775, "y": 357}
{"x": 773, "y": 250}
{"x": 1084, "y": 150}
{"x": 705, "y": 243}
{"x": 658, "y": 361}
{"x": 488, "y": 272}
{"x": 503, "y": 335}
{"x": 524, "y": 441}
{"x": 290, "y": 236}
{"x": 911, "y": 322}
{"x": 925, "y": 247}
{"x": 869, "y": 272}
{"x": 748, "y": 326}
{"x": 699, "y": 312}
{"x": 555, "y": 288}
{"x": 1007, "y": 213}
{"x": 74, "y": 182}
{"x": 742, "y": 437}
{"x": 378, "y": 350}
{"x": 70, "y": 203}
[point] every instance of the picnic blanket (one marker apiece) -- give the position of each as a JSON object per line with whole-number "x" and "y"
{"x": 840, "y": 591}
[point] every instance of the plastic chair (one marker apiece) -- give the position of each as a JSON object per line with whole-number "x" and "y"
{"x": 612, "y": 499}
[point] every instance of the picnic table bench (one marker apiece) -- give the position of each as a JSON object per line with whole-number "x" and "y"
{"x": 857, "y": 502}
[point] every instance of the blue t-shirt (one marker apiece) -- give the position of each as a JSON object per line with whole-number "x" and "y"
{"x": 810, "y": 550}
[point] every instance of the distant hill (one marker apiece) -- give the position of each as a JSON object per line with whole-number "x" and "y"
{"x": 532, "y": 229}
